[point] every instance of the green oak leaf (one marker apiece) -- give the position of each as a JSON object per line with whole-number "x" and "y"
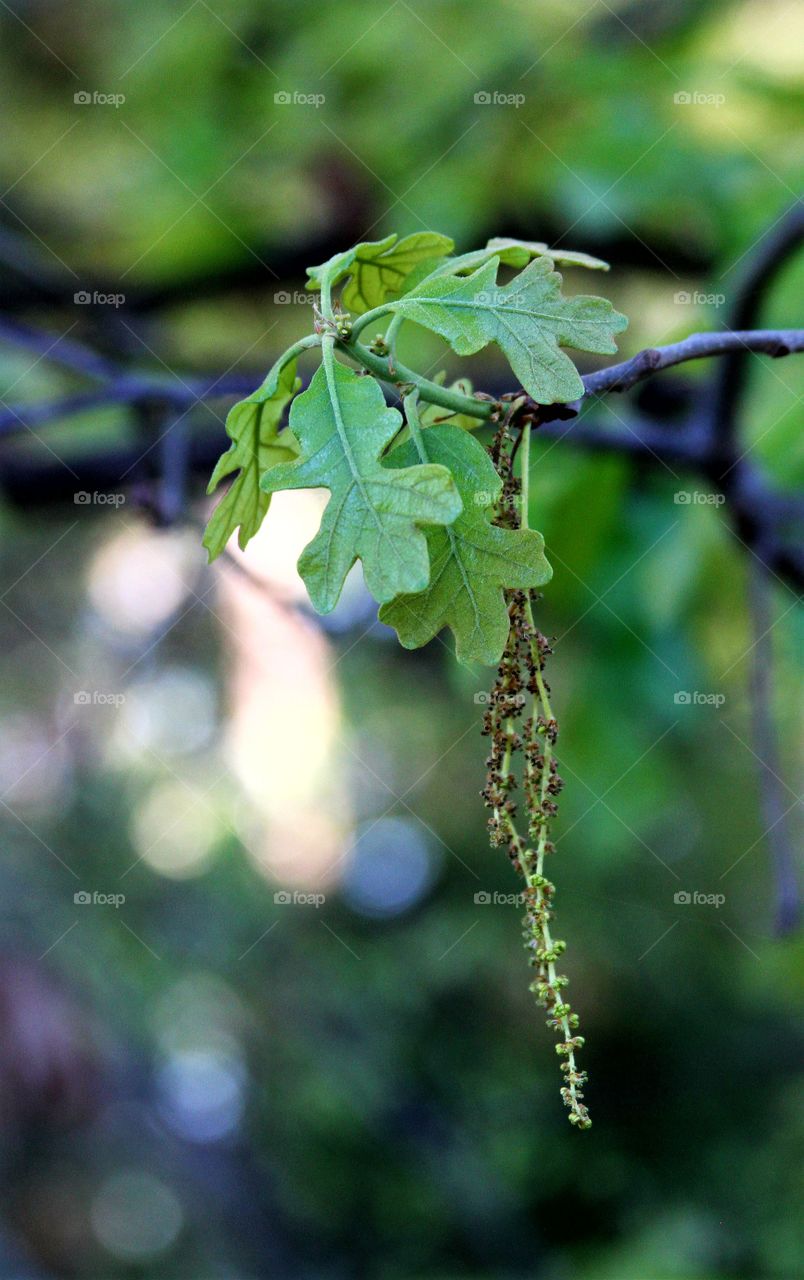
{"x": 515, "y": 253}
{"x": 378, "y": 269}
{"x": 335, "y": 268}
{"x": 374, "y": 513}
{"x": 529, "y": 319}
{"x": 253, "y": 425}
{"x": 518, "y": 253}
{"x": 472, "y": 561}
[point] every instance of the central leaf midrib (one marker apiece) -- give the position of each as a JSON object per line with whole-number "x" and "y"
{"x": 424, "y": 456}
{"x": 495, "y": 310}
{"x": 329, "y": 372}
{"x": 467, "y": 587}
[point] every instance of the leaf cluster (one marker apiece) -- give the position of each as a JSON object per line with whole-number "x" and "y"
{"x": 412, "y": 498}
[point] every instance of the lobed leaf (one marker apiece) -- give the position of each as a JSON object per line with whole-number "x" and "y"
{"x": 515, "y": 253}
{"x": 375, "y": 513}
{"x": 529, "y": 319}
{"x": 518, "y": 253}
{"x": 253, "y": 425}
{"x": 378, "y": 269}
{"x": 472, "y": 561}
{"x": 334, "y": 269}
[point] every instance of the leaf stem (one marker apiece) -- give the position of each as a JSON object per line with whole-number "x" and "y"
{"x": 326, "y": 296}
{"x": 329, "y": 363}
{"x": 524, "y": 448}
{"x": 304, "y": 344}
{"x": 391, "y": 336}
{"x": 397, "y": 375}
{"x": 369, "y": 317}
{"x": 411, "y": 406}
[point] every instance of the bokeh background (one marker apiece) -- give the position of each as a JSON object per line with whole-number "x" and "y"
{"x": 200, "y": 1078}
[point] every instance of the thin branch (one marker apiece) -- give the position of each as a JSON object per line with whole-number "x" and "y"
{"x": 619, "y": 377}
{"x": 57, "y": 349}
{"x": 125, "y": 390}
{"x": 755, "y": 509}
{"x": 758, "y": 276}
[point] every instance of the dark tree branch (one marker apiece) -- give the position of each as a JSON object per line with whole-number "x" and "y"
{"x": 31, "y": 278}
{"x": 758, "y": 277}
{"x": 15, "y": 418}
{"x": 753, "y": 505}
{"x": 773, "y": 538}
{"x": 620, "y": 377}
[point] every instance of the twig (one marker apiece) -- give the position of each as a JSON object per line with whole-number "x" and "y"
{"x": 753, "y": 505}
{"x": 619, "y": 377}
{"x": 758, "y": 277}
{"x": 125, "y": 390}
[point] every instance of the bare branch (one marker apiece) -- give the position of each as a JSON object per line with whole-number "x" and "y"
{"x": 619, "y": 377}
